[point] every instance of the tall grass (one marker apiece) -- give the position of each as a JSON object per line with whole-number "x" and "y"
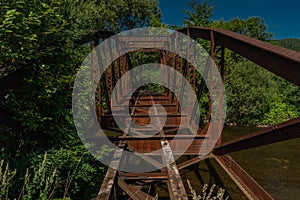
{"x": 208, "y": 193}
{"x": 39, "y": 183}
{"x": 6, "y": 179}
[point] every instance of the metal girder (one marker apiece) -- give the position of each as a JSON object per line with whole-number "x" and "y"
{"x": 154, "y": 137}
{"x": 134, "y": 192}
{"x": 110, "y": 177}
{"x": 107, "y": 99}
{"x": 107, "y": 185}
{"x": 151, "y": 161}
{"x": 175, "y": 184}
{"x": 242, "y": 179}
{"x": 281, "y": 61}
{"x": 284, "y": 131}
{"x": 144, "y": 176}
{"x": 190, "y": 162}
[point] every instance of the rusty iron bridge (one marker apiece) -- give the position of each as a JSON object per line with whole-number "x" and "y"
{"x": 282, "y": 62}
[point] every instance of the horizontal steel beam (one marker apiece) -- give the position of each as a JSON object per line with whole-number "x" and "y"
{"x": 190, "y": 162}
{"x": 134, "y": 192}
{"x": 281, "y": 61}
{"x": 284, "y": 131}
{"x": 147, "y": 115}
{"x": 144, "y": 176}
{"x": 149, "y": 137}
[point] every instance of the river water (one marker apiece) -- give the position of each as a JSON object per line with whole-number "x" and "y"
{"x": 275, "y": 167}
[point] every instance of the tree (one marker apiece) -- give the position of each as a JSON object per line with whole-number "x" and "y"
{"x": 25, "y": 29}
{"x": 253, "y": 27}
{"x": 291, "y": 43}
{"x": 279, "y": 110}
{"x": 44, "y": 33}
{"x": 200, "y": 13}
{"x": 41, "y": 35}
{"x": 248, "y": 92}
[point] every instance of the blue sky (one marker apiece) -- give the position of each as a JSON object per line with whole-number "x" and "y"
{"x": 281, "y": 17}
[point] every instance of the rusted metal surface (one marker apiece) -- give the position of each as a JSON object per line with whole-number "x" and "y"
{"x": 134, "y": 192}
{"x": 190, "y": 162}
{"x": 110, "y": 177}
{"x": 107, "y": 185}
{"x": 145, "y": 176}
{"x": 284, "y": 131}
{"x": 175, "y": 184}
{"x": 243, "y": 180}
{"x": 281, "y": 61}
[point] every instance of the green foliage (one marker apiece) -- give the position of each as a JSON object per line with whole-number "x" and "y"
{"x": 140, "y": 58}
{"x": 42, "y": 35}
{"x": 65, "y": 173}
{"x": 25, "y": 29}
{"x": 49, "y": 29}
{"x": 280, "y": 111}
{"x": 291, "y": 43}
{"x": 200, "y": 13}
{"x": 254, "y": 27}
{"x": 248, "y": 90}
{"x": 256, "y": 96}
{"x": 88, "y": 17}
{"x": 40, "y": 183}
{"x": 76, "y": 170}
